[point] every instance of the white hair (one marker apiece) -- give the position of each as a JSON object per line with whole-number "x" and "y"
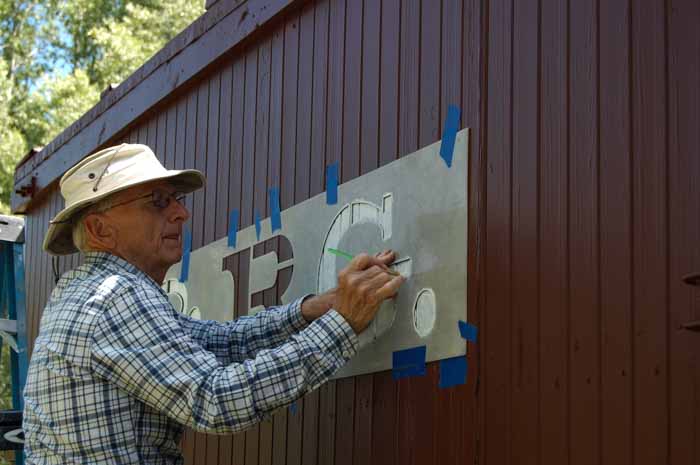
{"x": 79, "y": 233}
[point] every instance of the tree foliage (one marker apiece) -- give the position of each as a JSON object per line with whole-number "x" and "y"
{"x": 57, "y": 56}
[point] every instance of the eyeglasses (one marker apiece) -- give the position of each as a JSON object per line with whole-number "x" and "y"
{"x": 159, "y": 198}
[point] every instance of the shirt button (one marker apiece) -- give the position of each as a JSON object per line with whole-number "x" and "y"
{"x": 346, "y": 354}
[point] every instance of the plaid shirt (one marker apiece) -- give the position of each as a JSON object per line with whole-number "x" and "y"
{"x": 116, "y": 371}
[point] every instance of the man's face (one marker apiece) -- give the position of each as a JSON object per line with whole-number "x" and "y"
{"x": 147, "y": 235}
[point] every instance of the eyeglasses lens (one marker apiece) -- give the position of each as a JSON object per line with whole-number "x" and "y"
{"x": 162, "y": 199}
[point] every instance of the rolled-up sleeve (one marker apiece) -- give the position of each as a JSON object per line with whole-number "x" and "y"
{"x": 140, "y": 346}
{"x": 243, "y": 338}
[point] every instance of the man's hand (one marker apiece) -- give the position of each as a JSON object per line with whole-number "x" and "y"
{"x": 363, "y": 285}
{"x": 317, "y": 305}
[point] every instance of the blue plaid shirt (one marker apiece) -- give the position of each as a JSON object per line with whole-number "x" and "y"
{"x": 116, "y": 372}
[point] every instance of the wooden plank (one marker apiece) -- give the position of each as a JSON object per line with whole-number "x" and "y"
{"x": 349, "y": 169}
{"x": 161, "y": 133}
{"x": 326, "y": 422}
{"x": 369, "y": 114}
{"x": 247, "y": 174}
{"x": 351, "y": 91}
{"x": 320, "y": 96}
{"x": 524, "y": 341}
{"x": 362, "y": 449}
{"x": 302, "y": 429}
{"x": 684, "y": 229}
{"x": 332, "y": 85}
{"x": 496, "y": 326}
{"x": 261, "y": 195}
{"x": 262, "y": 128}
{"x": 142, "y": 137}
{"x": 344, "y": 426}
{"x": 152, "y": 133}
{"x": 198, "y": 159}
{"x": 162, "y": 82}
{"x": 385, "y": 439}
{"x": 188, "y": 128}
{"x": 289, "y": 112}
{"x": 279, "y": 421}
{"x": 416, "y": 422}
{"x": 450, "y": 422}
{"x": 304, "y": 104}
{"x": 336, "y": 60}
{"x": 389, "y": 80}
{"x": 235, "y": 181}
{"x": 430, "y": 73}
{"x": 289, "y": 124}
{"x": 473, "y": 81}
{"x": 554, "y": 279}
{"x": 211, "y": 213}
{"x": 224, "y": 150}
{"x": 649, "y": 233}
{"x": 276, "y": 88}
{"x": 409, "y": 77}
{"x": 369, "y": 160}
{"x": 584, "y": 316}
{"x": 170, "y": 136}
{"x": 189, "y": 156}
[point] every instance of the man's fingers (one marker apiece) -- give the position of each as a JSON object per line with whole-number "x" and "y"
{"x": 390, "y": 288}
{"x": 388, "y": 258}
{"x": 362, "y": 262}
{"x": 379, "y": 280}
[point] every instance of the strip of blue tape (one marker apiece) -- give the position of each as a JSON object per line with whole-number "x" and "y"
{"x": 332, "y": 184}
{"x": 293, "y": 408}
{"x": 186, "y": 248}
{"x": 258, "y": 226}
{"x": 276, "y": 216}
{"x": 449, "y": 134}
{"x": 233, "y": 228}
{"x": 453, "y": 372}
{"x": 468, "y": 331}
{"x": 408, "y": 362}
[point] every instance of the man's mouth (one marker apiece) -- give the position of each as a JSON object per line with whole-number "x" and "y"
{"x": 174, "y": 237}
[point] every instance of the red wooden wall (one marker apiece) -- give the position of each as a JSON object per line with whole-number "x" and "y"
{"x": 583, "y": 191}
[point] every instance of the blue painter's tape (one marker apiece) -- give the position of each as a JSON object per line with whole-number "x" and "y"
{"x": 453, "y": 372}
{"x": 468, "y": 331}
{"x": 449, "y": 134}
{"x": 293, "y": 408}
{"x": 276, "y": 217}
{"x": 233, "y": 228}
{"x": 332, "y": 184}
{"x": 186, "y": 249}
{"x": 258, "y": 227}
{"x": 409, "y": 362}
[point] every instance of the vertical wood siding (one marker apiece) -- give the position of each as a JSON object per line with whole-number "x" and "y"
{"x": 583, "y": 191}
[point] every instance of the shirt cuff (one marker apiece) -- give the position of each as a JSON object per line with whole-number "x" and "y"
{"x": 294, "y": 317}
{"x": 334, "y": 335}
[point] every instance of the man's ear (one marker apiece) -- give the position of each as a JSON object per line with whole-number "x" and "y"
{"x": 100, "y": 234}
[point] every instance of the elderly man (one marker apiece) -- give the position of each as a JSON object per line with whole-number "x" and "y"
{"x": 116, "y": 372}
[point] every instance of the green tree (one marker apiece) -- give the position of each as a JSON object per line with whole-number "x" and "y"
{"x": 56, "y": 57}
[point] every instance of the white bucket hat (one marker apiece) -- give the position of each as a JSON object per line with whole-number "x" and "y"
{"x": 104, "y": 173}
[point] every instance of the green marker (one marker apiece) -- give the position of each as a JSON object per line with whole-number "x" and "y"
{"x": 340, "y": 253}
{"x": 348, "y": 256}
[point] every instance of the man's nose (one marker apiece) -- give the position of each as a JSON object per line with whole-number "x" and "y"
{"x": 177, "y": 211}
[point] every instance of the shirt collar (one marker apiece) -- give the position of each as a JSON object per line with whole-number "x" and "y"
{"x": 110, "y": 260}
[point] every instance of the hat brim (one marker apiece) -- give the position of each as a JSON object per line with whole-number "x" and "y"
{"x": 59, "y": 236}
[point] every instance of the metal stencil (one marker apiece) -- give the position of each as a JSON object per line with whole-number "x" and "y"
{"x": 416, "y": 206}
